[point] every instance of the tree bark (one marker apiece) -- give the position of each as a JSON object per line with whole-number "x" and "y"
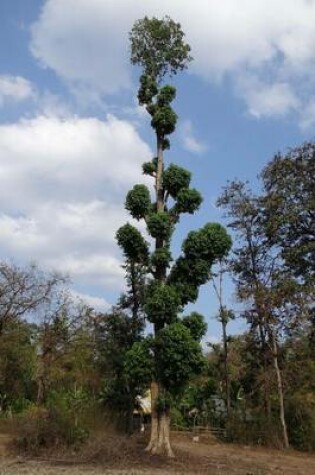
{"x": 226, "y": 369}
{"x": 160, "y": 420}
{"x": 280, "y": 391}
{"x": 160, "y": 427}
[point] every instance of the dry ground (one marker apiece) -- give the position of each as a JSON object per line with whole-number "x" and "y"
{"x": 113, "y": 455}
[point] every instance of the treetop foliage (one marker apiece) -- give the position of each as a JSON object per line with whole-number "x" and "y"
{"x": 289, "y": 207}
{"x": 158, "y": 46}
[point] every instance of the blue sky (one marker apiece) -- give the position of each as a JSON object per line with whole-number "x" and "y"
{"x": 72, "y": 137}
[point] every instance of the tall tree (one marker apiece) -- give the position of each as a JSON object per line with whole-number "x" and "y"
{"x": 260, "y": 283}
{"x": 224, "y": 316}
{"x": 173, "y": 353}
{"x": 289, "y": 206}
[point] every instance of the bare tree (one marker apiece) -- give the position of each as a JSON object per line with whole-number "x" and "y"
{"x": 23, "y": 290}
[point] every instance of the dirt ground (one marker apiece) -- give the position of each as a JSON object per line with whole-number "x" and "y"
{"x": 125, "y": 456}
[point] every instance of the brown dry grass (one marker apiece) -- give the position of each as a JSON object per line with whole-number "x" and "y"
{"x": 109, "y": 454}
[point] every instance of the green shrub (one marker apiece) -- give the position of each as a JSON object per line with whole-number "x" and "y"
{"x": 300, "y": 416}
{"x": 58, "y": 424}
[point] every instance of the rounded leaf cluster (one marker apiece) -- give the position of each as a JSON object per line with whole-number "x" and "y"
{"x": 162, "y": 303}
{"x": 188, "y": 292}
{"x": 209, "y": 243}
{"x": 149, "y": 168}
{"x": 147, "y": 90}
{"x": 164, "y": 120}
{"x": 175, "y": 179}
{"x": 160, "y": 225}
{"x": 195, "y": 271}
{"x": 132, "y": 243}
{"x": 187, "y": 275}
{"x": 179, "y": 357}
{"x": 196, "y": 324}
{"x": 139, "y": 364}
{"x": 166, "y": 144}
{"x": 161, "y": 258}
{"x": 138, "y": 201}
{"x": 188, "y": 201}
{"x": 166, "y": 95}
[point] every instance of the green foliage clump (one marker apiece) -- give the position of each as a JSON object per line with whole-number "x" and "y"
{"x": 132, "y": 243}
{"x": 188, "y": 201}
{"x": 164, "y": 120}
{"x": 187, "y": 275}
{"x": 166, "y": 144}
{"x": 149, "y": 168}
{"x": 187, "y": 292}
{"x": 179, "y": 357}
{"x": 160, "y": 225}
{"x": 138, "y": 201}
{"x": 139, "y": 365}
{"x": 161, "y": 258}
{"x": 162, "y": 303}
{"x": 166, "y": 95}
{"x": 148, "y": 89}
{"x": 209, "y": 243}
{"x": 196, "y": 324}
{"x": 175, "y": 179}
{"x": 193, "y": 271}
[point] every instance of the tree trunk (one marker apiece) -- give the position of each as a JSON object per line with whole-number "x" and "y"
{"x": 266, "y": 384}
{"x": 160, "y": 427}
{"x": 280, "y": 391}
{"x": 226, "y": 369}
{"x": 160, "y": 420}
{"x": 40, "y": 392}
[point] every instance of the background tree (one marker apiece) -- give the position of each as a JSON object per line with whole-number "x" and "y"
{"x": 116, "y": 333}
{"x": 289, "y": 207}
{"x": 158, "y": 46}
{"x": 23, "y": 290}
{"x": 224, "y": 316}
{"x": 259, "y": 281}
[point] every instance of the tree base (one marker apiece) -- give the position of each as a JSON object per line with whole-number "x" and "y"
{"x": 156, "y": 448}
{"x": 160, "y": 437}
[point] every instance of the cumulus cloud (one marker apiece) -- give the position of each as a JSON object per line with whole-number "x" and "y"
{"x": 97, "y": 303}
{"x": 308, "y": 116}
{"x": 272, "y": 39}
{"x": 15, "y": 89}
{"x": 268, "y": 100}
{"x": 190, "y": 142}
{"x": 62, "y": 185}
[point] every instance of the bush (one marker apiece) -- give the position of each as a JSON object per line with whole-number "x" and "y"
{"x": 58, "y": 424}
{"x": 256, "y": 430}
{"x": 301, "y": 421}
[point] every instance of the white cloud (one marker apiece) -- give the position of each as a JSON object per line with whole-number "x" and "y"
{"x": 62, "y": 188}
{"x": 308, "y": 116}
{"x": 15, "y": 89}
{"x": 272, "y": 39}
{"x": 268, "y": 100}
{"x": 190, "y": 142}
{"x": 97, "y": 303}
